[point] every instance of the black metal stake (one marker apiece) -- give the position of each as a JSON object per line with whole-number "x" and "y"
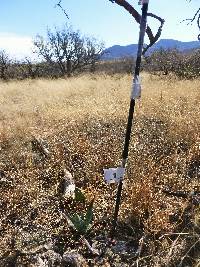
{"x": 131, "y": 112}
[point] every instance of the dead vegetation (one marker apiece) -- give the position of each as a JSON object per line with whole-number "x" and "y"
{"x": 48, "y": 127}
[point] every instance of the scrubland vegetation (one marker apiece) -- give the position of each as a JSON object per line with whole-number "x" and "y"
{"x": 183, "y": 65}
{"x": 81, "y": 122}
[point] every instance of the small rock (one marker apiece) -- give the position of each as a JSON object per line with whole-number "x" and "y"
{"x": 120, "y": 247}
{"x": 73, "y": 259}
{"x": 39, "y": 145}
{"x": 38, "y": 262}
{"x": 4, "y": 180}
{"x": 2, "y": 174}
{"x": 52, "y": 258}
{"x": 67, "y": 185}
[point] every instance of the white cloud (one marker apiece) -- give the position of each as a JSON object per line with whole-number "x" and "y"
{"x": 17, "y": 46}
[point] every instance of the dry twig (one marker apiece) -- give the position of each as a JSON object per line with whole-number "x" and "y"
{"x": 61, "y": 7}
{"x": 195, "y": 17}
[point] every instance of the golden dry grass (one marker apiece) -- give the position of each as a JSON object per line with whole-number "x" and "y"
{"x": 31, "y": 103}
{"x": 83, "y": 121}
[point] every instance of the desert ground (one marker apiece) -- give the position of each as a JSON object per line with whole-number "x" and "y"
{"x": 78, "y": 125}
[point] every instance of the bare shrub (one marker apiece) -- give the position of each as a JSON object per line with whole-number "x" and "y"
{"x": 183, "y": 65}
{"x": 68, "y": 49}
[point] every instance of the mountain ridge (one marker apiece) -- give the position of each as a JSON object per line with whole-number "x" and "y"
{"x": 120, "y": 51}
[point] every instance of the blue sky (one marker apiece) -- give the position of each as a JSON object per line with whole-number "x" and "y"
{"x": 21, "y": 20}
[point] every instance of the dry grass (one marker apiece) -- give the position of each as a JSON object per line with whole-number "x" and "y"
{"x": 83, "y": 120}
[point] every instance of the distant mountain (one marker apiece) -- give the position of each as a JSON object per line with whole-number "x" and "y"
{"x": 118, "y": 51}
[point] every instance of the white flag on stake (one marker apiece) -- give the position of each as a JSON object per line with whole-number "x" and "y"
{"x": 114, "y": 175}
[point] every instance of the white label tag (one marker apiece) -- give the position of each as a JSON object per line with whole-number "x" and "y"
{"x": 114, "y": 175}
{"x": 136, "y": 88}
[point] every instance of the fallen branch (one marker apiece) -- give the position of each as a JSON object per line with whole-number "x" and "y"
{"x": 171, "y": 251}
{"x": 186, "y": 254}
{"x": 172, "y": 234}
{"x": 140, "y": 247}
{"x": 194, "y": 196}
{"x": 90, "y": 248}
{"x": 183, "y": 194}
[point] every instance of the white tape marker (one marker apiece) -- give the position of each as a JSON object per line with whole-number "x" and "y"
{"x": 136, "y": 88}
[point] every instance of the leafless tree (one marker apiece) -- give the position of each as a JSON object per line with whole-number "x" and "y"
{"x": 4, "y": 64}
{"x": 68, "y": 49}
